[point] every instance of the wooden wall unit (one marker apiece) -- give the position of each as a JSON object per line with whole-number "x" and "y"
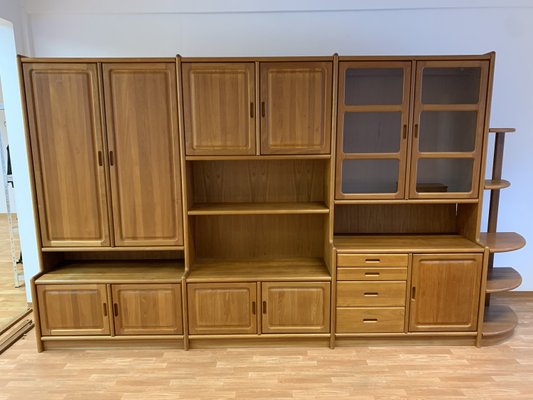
{"x": 205, "y": 200}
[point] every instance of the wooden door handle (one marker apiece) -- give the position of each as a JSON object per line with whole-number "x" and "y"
{"x": 253, "y": 307}
{"x": 115, "y": 309}
{"x": 264, "y": 307}
{"x": 100, "y": 159}
{"x": 105, "y": 309}
{"x": 263, "y": 109}
{"x": 111, "y": 158}
{"x": 405, "y": 131}
{"x": 416, "y": 131}
{"x": 413, "y": 293}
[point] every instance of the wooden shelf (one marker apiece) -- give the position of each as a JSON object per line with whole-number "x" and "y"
{"x": 111, "y": 249}
{"x": 260, "y": 157}
{"x": 500, "y": 242}
{"x": 499, "y": 321}
{"x": 503, "y": 279}
{"x": 291, "y": 269}
{"x": 146, "y": 271}
{"x": 502, "y": 130}
{"x": 496, "y": 184}
{"x": 258, "y": 208}
{"x": 405, "y": 243}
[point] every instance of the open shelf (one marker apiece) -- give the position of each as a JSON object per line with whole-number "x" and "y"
{"x": 496, "y": 184}
{"x": 112, "y": 249}
{"x": 260, "y": 157}
{"x": 258, "y": 208}
{"x": 502, "y": 130}
{"x": 499, "y": 320}
{"x": 283, "y": 269}
{"x": 503, "y": 279}
{"x": 405, "y": 243}
{"x": 500, "y": 242}
{"x": 146, "y": 271}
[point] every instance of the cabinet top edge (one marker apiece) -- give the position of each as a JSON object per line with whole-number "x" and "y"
{"x": 96, "y": 59}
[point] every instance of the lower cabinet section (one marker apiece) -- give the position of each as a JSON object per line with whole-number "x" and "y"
{"x": 370, "y": 319}
{"x": 128, "y": 309}
{"x": 238, "y": 308}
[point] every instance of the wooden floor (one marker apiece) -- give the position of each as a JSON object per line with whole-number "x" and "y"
{"x": 503, "y": 371}
{"x": 12, "y": 300}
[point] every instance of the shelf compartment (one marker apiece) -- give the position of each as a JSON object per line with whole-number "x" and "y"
{"x": 496, "y": 184}
{"x": 501, "y": 242}
{"x": 146, "y": 271}
{"x": 251, "y": 270}
{"x": 262, "y": 157}
{"x": 258, "y": 208}
{"x": 499, "y": 321}
{"x": 404, "y": 244}
{"x": 503, "y": 279}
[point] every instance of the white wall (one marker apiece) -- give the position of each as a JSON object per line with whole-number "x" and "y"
{"x": 204, "y": 28}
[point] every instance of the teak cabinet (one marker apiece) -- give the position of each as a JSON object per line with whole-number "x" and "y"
{"x": 74, "y": 151}
{"x": 222, "y": 102}
{"x": 194, "y": 202}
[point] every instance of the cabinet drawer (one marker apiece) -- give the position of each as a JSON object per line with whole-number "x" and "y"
{"x": 370, "y": 294}
{"x": 383, "y": 320}
{"x": 372, "y": 274}
{"x": 373, "y": 260}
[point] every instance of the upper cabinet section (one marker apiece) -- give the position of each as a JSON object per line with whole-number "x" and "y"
{"x": 65, "y": 127}
{"x": 219, "y": 108}
{"x": 257, "y": 108}
{"x": 411, "y": 129}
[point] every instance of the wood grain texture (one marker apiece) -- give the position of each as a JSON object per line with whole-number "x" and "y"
{"x": 370, "y": 319}
{"x": 147, "y": 309}
{"x": 500, "y": 242}
{"x": 372, "y": 274}
{"x": 502, "y": 279}
{"x": 397, "y": 218}
{"x": 258, "y": 181}
{"x": 296, "y": 307}
{"x": 445, "y": 292}
{"x": 142, "y": 128}
{"x": 371, "y": 294}
{"x": 258, "y": 208}
{"x": 65, "y": 127}
{"x": 219, "y": 108}
{"x": 225, "y": 308}
{"x": 295, "y": 107}
{"x": 372, "y": 260}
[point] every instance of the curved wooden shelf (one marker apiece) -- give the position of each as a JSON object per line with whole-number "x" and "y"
{"x": 500, "y": 242}
{"x": 503, "y": 279}
{"x": 499, "y": 321}
{"x": 502, "y": 130}
{"x": 496, "y": 184}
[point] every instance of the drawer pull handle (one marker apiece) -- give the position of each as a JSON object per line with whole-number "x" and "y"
{"x": 370, "y": 320}
{"x": 371, "y": 294}
{"x": 253, "y": 307}
{"x": 373, "y": 260}
{"x": 372, "y": 273}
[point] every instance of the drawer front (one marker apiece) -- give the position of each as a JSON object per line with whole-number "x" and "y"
{"x": 376, "y": 320}
{"x": 372, "y": 274}
{"x": 372, "y": 260}
{"x": 370, "y": 294}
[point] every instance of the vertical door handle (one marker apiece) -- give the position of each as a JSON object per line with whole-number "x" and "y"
{"x": 416, "y": 131}
{"x": 111, "y": 158}
{"x": 253, "y": 307}
{"x": 105, "y": 309}
{"x": 115, "y": 309}
{"x": 100, "y": 159}
{"x": 264, "y": 307}
{"x": 413, "y": 293}
{"x": 263, "y": 110}
{"x": 252, "y": 109}
{"x": 405, "y": 131}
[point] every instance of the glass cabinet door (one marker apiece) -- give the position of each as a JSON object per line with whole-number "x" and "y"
{"x": 373, "y": 128}
{"x": 450, "y": 99}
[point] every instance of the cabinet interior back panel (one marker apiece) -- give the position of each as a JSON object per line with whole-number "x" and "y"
{"x": 258, "y": 181}
{"x": 395, "y": 218}
{"x": 259, "y": 236}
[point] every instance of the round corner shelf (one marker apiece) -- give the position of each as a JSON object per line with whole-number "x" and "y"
{"x": 503, "y": 279}
{"x": 496, "y": 184}
{"x": 501, "y": 242}
{"x": 499, "y": 323}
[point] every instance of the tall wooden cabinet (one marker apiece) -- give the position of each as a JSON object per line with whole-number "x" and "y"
{"x": 196, "y": 202}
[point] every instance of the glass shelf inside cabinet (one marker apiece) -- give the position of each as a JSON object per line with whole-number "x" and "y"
{"x": 451, "y": 85}
{"x": 373, "y": 86}
{"x": 370, "y": 176}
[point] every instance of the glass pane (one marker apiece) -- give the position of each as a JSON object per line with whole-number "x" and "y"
{"x": 372, "y": 132}
{"x": 448, "y": 130}
{"x": 444, "y": 175}
{"x": 367, "y": 86}
{"x": 370, "y": 176}
{"x": 450, "y": 85}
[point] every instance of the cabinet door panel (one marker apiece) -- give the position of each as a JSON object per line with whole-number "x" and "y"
{"x": 217, "y": 308}
{"x": 65, "y": 127}
{"x": 68, "y": 310}
{"x": 445, "y": 292}
{"x": 219, "y": 108}
{"x": 145, "y": 309}
{"x": 296, "y": 107}
{"x": 302, "y": 307}
{"x": 141, "y": 114}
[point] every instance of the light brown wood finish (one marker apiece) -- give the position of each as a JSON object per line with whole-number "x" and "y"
{"x": 370, "y": 319}
{"x": 142, "y": 127}
{"x": 258, "y": 208}
{"x": 372, "y": 274}
{"x": 499, "y": 322}
{"x": 445, "y": 292}
{"x": 65, "y": 130}
{"x": 500, "y": 242}
{"x": 372, "y": 260}
{"x": 502, "y": 279}
{"x": 222, "y": 308}
{"x": 496, "y": 184}
{"x": 295, "y": 107}
{"x": 219, "y": 108}
{"x": 294, "y": 307}
{"x": 371, "y": 294}
{"x": 147, "y": 309}
{"x": 71, "y": 310}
